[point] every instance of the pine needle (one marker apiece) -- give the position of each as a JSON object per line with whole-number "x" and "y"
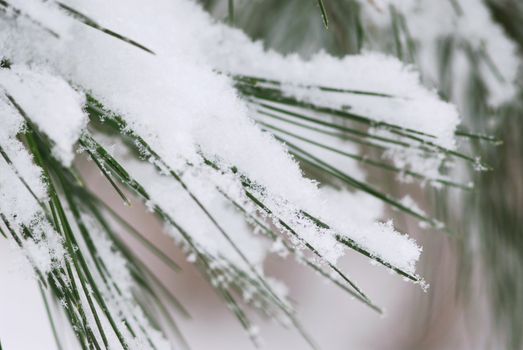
{"x": 324, "y": 16}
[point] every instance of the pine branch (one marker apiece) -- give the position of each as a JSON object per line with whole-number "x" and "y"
{"x": 84, "y": 284}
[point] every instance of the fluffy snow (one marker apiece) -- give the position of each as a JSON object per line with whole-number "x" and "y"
{"x": 182, "y": 101}
{"x": 50, "y": 103}
{"x": 183, "y": 108}
{"x": 472, "y": 26}
{"x": 412, "y": 106}
{"x": 17, "y": 205}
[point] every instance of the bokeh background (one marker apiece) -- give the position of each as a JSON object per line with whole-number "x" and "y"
{"x": 475, "y": 299}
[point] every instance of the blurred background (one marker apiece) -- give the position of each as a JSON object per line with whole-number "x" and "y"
{"x": 475, "y": 299}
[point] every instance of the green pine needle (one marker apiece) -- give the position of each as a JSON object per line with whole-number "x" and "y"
{"x": 324, "y": 16}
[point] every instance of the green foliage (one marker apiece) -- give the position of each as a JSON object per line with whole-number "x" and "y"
{"x": 490, "y": 219}
{"x": 76, "y": 284}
